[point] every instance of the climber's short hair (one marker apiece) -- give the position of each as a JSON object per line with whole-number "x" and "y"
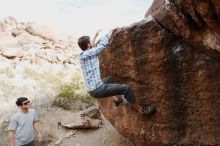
{"x": 83, "y": 42}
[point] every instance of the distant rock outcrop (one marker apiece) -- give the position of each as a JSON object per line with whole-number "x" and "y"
{"x": 170, "y": 59}
{"x": 35, "y": 43}
{"x": 13, "y": 52}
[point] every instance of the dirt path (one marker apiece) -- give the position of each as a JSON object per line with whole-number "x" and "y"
{"x": 104, "y": 136}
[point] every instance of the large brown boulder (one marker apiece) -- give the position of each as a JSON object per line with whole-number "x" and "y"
{"x": 174, "y": 65}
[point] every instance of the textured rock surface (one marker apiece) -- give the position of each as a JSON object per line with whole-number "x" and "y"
{"x": 174, "y": 63}
{"x": 194, "y": 21}
{"x": 13, "y": 52}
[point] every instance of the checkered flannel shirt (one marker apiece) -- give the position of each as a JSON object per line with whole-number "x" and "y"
{"x": 90, "y": 64}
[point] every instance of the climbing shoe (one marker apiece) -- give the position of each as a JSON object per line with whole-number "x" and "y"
{"x": 120, "y": 100}
{"x": 149, "y": 110}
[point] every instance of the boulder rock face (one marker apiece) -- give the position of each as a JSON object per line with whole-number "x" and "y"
{"x": 194, "y": 21}
{"x": 171, "y": 59}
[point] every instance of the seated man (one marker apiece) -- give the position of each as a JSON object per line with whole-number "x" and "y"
{"x": 104, "y": 88}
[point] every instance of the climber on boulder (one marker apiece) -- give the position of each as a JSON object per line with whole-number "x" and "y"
{"x": 98, "y": 88}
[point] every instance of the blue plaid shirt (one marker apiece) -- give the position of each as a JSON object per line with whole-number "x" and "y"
{"x": 90, "y": 64}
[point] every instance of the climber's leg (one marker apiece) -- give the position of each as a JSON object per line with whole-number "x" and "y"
{"x": 117, "y": 99}
{"x": 107, "y": 90}
{"x": 144, "y": 109}
{"x": 107, "y": 80}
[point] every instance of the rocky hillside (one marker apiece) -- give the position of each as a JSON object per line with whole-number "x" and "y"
{"x": 34, "y": 43}
{"x": 33, "y": 62}
{"x": 171, "y": 59}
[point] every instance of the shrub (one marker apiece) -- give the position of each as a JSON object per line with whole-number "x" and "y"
{"x": 72, "y": 95}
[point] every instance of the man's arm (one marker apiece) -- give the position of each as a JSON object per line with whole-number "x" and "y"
{"x": 37, "y": 130}
{"x": 12, "y": 138}
{"x": 96, "y": 50}
{"x": 11, "y": 128}
{"x": 94, "y": 38}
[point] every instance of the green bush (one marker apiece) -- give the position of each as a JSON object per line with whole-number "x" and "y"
{"x": 72, "y": 95}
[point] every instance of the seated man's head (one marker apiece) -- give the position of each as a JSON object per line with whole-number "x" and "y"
{"x": 84, "y": 43}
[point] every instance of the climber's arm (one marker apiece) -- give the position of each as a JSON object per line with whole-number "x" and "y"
{"x": 103, "y": 43}
{"x": 94, "y": 38}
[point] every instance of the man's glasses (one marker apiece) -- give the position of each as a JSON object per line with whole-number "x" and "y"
{"x": 26, "y": 102}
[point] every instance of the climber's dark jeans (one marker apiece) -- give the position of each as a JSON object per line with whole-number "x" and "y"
{"x": 108, "y": 89}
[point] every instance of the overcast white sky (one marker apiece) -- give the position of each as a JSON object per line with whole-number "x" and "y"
{"x": 76, "y": 17}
